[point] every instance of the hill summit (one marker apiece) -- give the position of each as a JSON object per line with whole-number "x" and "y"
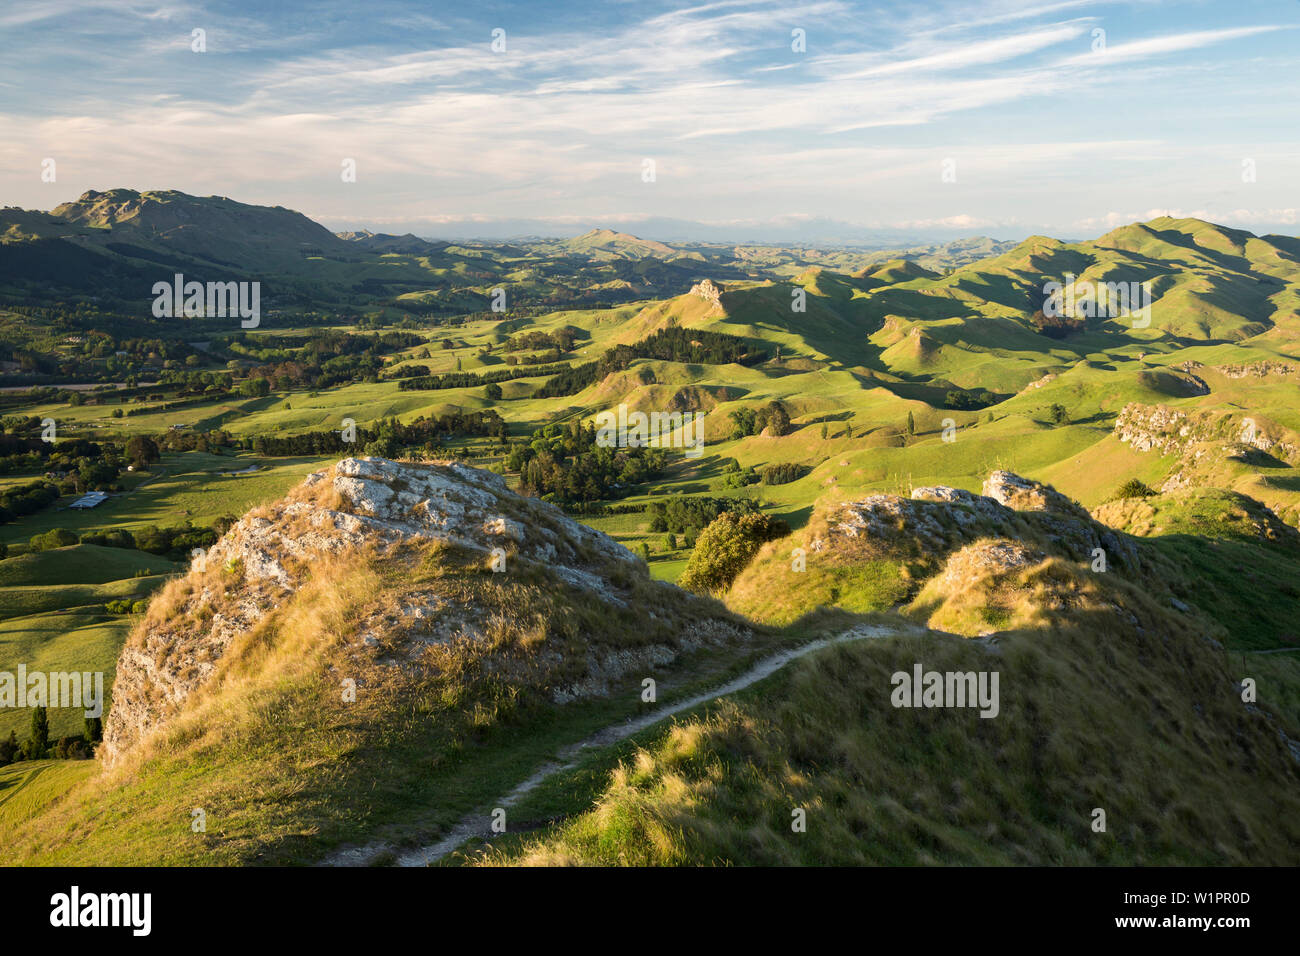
{"x": 455, "y": 564}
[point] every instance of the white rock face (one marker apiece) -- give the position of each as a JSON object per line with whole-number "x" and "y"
{"x": 376, "y": 503}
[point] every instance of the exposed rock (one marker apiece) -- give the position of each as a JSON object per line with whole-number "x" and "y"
{"x": 938, "y": 520}
{"x": 1199, "y": 436}
{"x": 1258, "y": 369}
{"x": 709, "y": 290}
{"x": 373, "y": 505}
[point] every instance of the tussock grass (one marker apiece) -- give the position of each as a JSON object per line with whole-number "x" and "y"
{"x": 1093, "y": 714}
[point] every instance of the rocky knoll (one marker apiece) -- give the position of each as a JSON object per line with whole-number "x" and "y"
{"x": 375, "y": 510}
{"x": 1195, "y": 434}
{"x": 938, "y": 520}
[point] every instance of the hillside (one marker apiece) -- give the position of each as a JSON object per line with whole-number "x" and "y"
{"x": 948, "y": 463}
{"x": 1115, "y": 697}
{"x": 362, "y": 619}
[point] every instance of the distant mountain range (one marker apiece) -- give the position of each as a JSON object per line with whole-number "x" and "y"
{"x": 1212, "y": 282}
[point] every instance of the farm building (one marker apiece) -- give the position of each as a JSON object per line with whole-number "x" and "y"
{"x": 90, "y": 499}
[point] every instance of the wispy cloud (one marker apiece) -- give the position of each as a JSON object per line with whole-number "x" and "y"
{"x": 735, "y": 118}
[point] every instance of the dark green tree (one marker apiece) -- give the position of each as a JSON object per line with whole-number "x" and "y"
{"x": 39, "y": 741}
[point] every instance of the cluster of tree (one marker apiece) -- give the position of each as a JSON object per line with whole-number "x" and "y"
{"x": 386, "y": 438}
{"x": 680, "y": 514}
{"x": 961, "y": 399}
{"x": 175, "y": 543}
{"x": 321, "y": 360}
{"x": 674, "y": 344}
{"x": 561, "y": 340}
{"x": 782, "y": 473}
{"x": 564, "y": 463}
{"x": 27, "y": 499}
{"x": 733, "y": 476}
{"x": 38, "y": 745}
{"x": 80, "y": 464}
{"x": 474, "y": 379}
{"x": 118, "y": 538}
{"x": 725, "y": 547}
{"x": 595, "y": 509}
{"x": 126, "y": 606}
{"x": 178, "y": 543}
{"x": 752, "y": 421}
{"x": 410, "y": 371}
{"x": 182, "y": 440}
{"x": 549, "y": 357}
{"x": 1056, "y": 326}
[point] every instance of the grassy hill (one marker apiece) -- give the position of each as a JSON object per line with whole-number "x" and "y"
{"x": 897, "y": 372}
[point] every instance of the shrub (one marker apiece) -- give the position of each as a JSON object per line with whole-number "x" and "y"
{"x": 54, "y": 538}
{"x": 109, "y": 539}
{"x": 725, "y": 547}
{"x": 1133, "y": 488}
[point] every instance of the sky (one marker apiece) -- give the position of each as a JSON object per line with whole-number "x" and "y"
{"x": 729, "y": 119}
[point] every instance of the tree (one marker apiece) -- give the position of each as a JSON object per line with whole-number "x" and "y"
{"x": 824, "y": 431}
{"x": 9, "y": 749}
{"x": 911, "y": 424}
{"x": 39, "y": 741}
{"x": 1059, "y": 414}
{"x": 255, "y": 388}
{"x": 724, "y": 548}
{"x": 142, "y": 450}
{"x": 778, "y": 419}
{"x": 492, "y": 391}
{"x": 94, "y": 731}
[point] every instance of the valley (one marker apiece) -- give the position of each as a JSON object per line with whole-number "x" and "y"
{"x": 396, "y": 478}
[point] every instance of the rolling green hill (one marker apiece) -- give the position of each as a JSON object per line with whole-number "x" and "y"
{"x": 895, "y": 387}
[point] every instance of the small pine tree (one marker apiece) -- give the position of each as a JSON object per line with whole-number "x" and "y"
{"x": 824, "y": 431}
{"x": 911, "y": 424}
{"x": 848, "y": 431}
{"x": 645, "y": 551}
{"x": 670, "y": 542}
{"x": 94, "y": 731}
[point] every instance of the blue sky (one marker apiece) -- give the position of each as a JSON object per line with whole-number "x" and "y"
{"x": 1044, "y": 123}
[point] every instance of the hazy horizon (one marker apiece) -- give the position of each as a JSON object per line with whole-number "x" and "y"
{"x": 1066, "y": 118}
